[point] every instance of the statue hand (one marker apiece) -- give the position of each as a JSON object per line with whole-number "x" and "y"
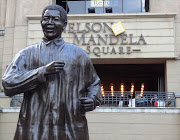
{"x": 87, "y": 104}
{"x": 54, "y": 67}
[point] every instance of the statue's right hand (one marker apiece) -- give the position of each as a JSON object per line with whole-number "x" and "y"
{"x": 54, "y": 67}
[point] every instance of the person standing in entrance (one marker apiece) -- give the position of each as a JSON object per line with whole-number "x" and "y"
{"x": 59, "y": 84}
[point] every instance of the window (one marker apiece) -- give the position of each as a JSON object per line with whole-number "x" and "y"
{"x": 104, "y": 6}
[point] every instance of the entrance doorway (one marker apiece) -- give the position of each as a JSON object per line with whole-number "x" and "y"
{"x": 149, "y": 75}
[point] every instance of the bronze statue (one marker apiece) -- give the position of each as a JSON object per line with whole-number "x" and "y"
{"x": 59, "y": 84}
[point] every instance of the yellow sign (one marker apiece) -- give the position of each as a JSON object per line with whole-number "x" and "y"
{"x": 117, "y": 28}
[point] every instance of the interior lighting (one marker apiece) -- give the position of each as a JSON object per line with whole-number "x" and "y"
{"x": 132, "y": 88}
{"x": 142, "y": 89}
{"x": 122, "y": 89}
{"x": 102, "y": 90}
{"x": 112, "y": 89}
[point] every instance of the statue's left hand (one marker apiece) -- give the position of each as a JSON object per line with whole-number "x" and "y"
{"x": 87, "y": 103}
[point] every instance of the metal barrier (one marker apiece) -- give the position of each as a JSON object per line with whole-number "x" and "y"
{"x": 139, "y": 99}
{"x": 117, "y": 98}
{"x": 16, "y": 100}
{"x": 154, "y": 99}
{"x": 125, "y": 99}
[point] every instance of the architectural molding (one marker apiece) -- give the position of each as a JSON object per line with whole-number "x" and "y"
{"x": 112, "y": 16}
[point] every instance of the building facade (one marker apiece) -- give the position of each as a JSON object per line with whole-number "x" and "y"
{"x": 147, "y": 52}
{"x": 143, "y": 59}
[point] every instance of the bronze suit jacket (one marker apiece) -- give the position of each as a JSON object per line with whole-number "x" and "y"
{"x": 51, "y": 107}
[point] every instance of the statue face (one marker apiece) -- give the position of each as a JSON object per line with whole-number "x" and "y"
{"x": 51, "y": 24}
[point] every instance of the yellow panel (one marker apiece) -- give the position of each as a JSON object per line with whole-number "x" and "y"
{"x": 117, "y": 28}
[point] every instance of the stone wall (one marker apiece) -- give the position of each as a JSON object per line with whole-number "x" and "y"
{"x": 172, "y": 66}
{"x": 13, "y": 19}
{"x": 157, "y": 30}
{"x": 122, "y": 124}
{"x": 162, "y": 34}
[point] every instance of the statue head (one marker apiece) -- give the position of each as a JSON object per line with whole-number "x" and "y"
{"x": 54, "y": 21}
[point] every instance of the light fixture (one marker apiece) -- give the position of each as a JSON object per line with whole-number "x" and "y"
{"x": 142, "y": 89}
{"x": 122, "y": 89}
{"x": 91, "y": 10}
{"x": 112, "y": 89}
{"x": 108, "y": 9}
{"x": 2, "y": 32}
{"x": 102, "y": 90}
{"x": 132, "y": 88}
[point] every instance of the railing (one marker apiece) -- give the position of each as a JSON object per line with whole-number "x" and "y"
{"x": 0, "y": 109}
{"x": 16, "y": 100}
{"x": 116, "y": 98}
{"x": 139, "y": 99}
{"x": 125, "y": 99}
{"x": 154, "y": 99}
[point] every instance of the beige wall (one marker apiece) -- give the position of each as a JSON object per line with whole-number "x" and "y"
{"x": 9, "y": 33}
{"x": 133, "y": 126}
{"x": 159, "y": 32}
{"x": 2, "y": 23}
{"x": 102, "y": 126}
{"x": 5, "y": 102}
{"x": 169, "y": 6}
{"x": 177, "y": 102}
{"x": 173, "y": 75}
{"x": 111, "y": 126}
{"x": 2, "y": 12}
{"x": 8, "y": 47}
{"x": 1, "y": 54}
{"x": 13, "y": 19}
{"x": 23, "y": 8}
{"x": 172, "y": 66}
{"x": 157, "y": 29}
{"x": 8, "y": 123}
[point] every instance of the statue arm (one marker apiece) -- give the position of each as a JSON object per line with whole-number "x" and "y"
{"x": 94, "y": 92}
{"x": 92, "y": 96}
{"x": 93, "y": 85}
{"x": 18, "y": 79}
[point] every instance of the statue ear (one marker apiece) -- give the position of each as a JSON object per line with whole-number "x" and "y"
{"x": 65, "y": 24}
